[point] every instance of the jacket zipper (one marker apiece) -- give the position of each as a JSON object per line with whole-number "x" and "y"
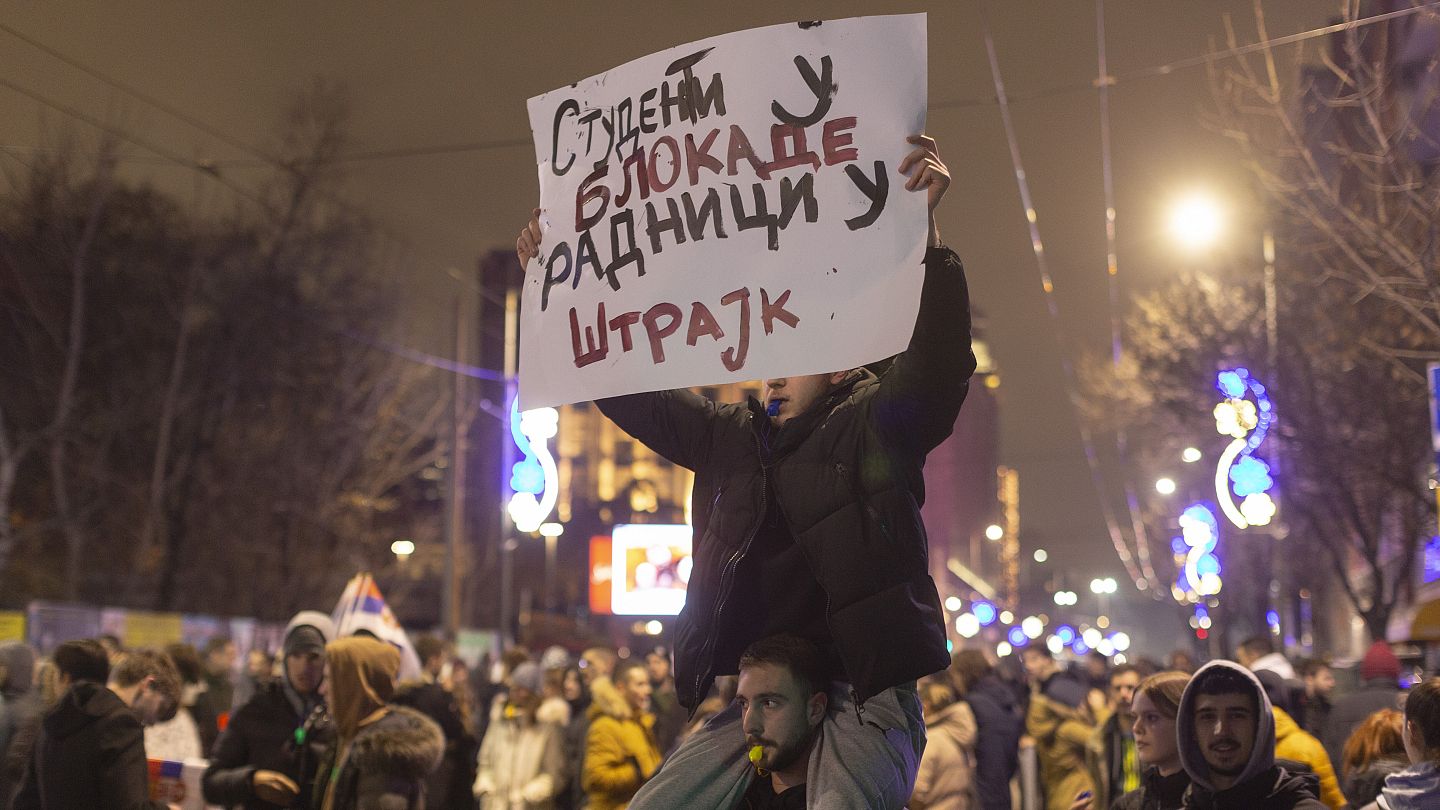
{"x": 730, "y": 565}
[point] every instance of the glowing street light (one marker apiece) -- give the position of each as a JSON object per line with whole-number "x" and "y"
{"x": 1103, "y": 586}
{"x": 952, "y": 604}
{"x": 1165, "y": 486}
{"x": 551, "y": 529}
{"x": 1190, "y": 455}
{"x": 1196, "y": 220}
{"x": 1041, "y": 555}
{"x": 993, "y": 532}
{"x": 402, "y": 549}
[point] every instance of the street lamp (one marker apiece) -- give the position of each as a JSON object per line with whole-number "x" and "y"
{"x": 1190, "y": 455}
{"x": 402, "y": 549}
{"x": 1196, "y": 220}
{"x": 993, "y": 532}
{"x": 1165, "y": 486}
{"x": 1041, "y": 555}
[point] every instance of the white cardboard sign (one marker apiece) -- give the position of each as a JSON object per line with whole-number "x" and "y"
{"x": 727, "y": 210}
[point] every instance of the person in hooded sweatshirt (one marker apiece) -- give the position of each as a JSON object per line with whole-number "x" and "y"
{"x": 1418, "y": 786}
{"x": 1226, "y": 734}
{"x": 90, "y": 753}
{"x": 267, "y": 755}
{"x": 383, "y": 753}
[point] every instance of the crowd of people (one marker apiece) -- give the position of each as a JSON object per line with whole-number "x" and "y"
{"x": 326, "y": 724}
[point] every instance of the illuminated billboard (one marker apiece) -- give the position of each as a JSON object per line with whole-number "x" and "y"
{"x": 649, "y": 569}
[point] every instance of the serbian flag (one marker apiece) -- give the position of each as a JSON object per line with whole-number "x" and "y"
{"x": 362, "y": 608}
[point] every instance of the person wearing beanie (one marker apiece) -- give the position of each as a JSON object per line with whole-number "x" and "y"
{"x": 268, "y": 753}
{"x": 1379, "y": 689}
{"x": 382, "y": 752}
{"x": 522, "y": 760}
{"x": 1226, "y": 734}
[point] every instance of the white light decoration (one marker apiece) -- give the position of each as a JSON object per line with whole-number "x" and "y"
{"x": 1041, "y": 555}
{"x": 1092, "y": 637}
{"x": 654, "y": 627}
{"x": 1105, "y": 648}
{"x": 952, "y": 604}
{"x": 967, "y": 625}
{"x": 1032, "y": 627}
{"x": 1006, "y": 617}
{"x": 551, "y": 529}
{"x": 1055, "y": 644}
{"x": 994, "y": 532}
{"x": 402, "y": 548}
{"x": 1003, "y": 649}
{"x": 1258, "y": 509}
{"x": 534, "y": 480}
{"x": 1190, "y": 455}
{"x": 1121, "y": 641}
{"x": 1165, "y": 486}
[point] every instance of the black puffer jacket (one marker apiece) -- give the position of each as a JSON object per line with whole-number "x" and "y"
{"x": 999, "y": 725}
{"x": 848, "y": 481}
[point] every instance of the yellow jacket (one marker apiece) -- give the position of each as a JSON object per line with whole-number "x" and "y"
{"x": 620, "y": 751}
{"x": 1060, "y": 733}
{"x": 1295, "y": 743}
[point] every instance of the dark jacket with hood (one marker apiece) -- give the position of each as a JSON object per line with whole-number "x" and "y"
{"x": 1156, "y": 792}
{"x": 388, "y": 763}
{"x": 276, "y": 730}
{"x": 846, "y": 476}
{"x": 999, "y": 726}
{"x": 450, "y": 785}
{"x": 90, "y": 754}
{"x": 1262, "y": 785}
{"x": 1349, "y": 711}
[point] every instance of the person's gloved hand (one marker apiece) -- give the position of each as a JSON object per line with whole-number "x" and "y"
{"x": 274, "y": 787}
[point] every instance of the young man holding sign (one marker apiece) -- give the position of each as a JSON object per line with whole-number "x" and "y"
{"x": 807, "y": 521}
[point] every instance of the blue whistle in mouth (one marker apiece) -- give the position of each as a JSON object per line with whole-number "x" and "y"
{"x": 773, "y": 409}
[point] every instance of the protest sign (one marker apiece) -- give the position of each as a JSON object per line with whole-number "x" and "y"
{"x": 727, "y": 210}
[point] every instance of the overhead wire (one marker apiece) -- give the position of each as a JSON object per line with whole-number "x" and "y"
{"x": 1052, "y": 305}
{"x": 1112, "y": 275}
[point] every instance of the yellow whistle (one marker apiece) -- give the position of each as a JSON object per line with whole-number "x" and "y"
{"x": 756, "y": 753}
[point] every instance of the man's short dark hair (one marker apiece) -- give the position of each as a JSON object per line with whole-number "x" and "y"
{"x": 1036, "y": 650}
{"x": 1422, "y": 707}
{"x": 1310, "y": 667}
{"x": 1225, "y": 681}
{"x": 623, "y": 667}
{"x": 1123, "y": 669}
{"x": 1258, "y": 646}
{"x": 800, "y": 656}
{"x": 187, "y": 662}
{"x": 82, "y": 660}
{"x": 427, "y": 647}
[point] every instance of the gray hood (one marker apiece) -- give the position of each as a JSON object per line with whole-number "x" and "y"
{"x": 19, "y": 661}
{"x": 1262, "y": 755}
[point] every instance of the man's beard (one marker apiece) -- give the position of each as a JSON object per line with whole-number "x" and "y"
{"x": 785, "y": 757}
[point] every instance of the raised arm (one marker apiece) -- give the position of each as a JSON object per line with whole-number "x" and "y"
{"x": 676, "y": 424}
{"x": 921, "y": 394}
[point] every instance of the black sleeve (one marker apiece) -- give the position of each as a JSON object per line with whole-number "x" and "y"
{"x": 229, "y": 778}
{"x": 921, "y": 394}
{"x": 676, "y": 424}
{"x": 29, "y": 796}
{"x": 124, "y": 773}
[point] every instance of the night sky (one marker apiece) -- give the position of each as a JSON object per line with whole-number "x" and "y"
{"x": 458, "y": 73}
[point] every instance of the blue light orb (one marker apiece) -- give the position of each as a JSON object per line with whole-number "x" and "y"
{"x": 1066, "y": 634}
{"x": 1231, "y": 383}
{"x": 527, "y": 476}
{"x": 985, "y": 612}
{"x": 1080, "y": 647}
{"x": 1207, "y": 564}
{"x": 1272, "y": 618}
{"x": 1177, "y": 545}
{"x": 1251, "y": 476}
{"x": 1017, "y": 637}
